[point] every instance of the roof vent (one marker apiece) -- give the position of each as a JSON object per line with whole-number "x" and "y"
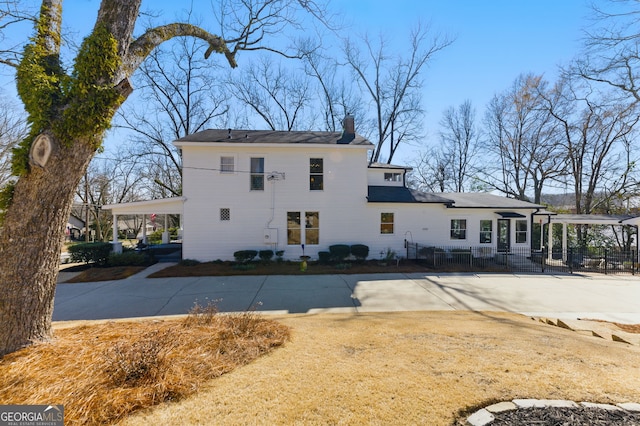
{"x": 229, "y": 135}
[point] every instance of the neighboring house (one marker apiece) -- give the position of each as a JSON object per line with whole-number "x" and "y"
{"x": 247, "y": 189}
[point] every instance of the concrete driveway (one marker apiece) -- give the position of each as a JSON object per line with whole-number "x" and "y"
{"x": 615, "y": 298}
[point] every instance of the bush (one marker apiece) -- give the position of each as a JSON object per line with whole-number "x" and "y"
{"x": 339, "y": 252}
{"x": 127, "y": 258}
{"x": 360, "y": 251}
{"x": 189, "y": 262}
{"x": 265, "y": 255}
{"x": 90, "y": 252}
{"x": 244, "y": 256}
{"x": 324, "y": 257}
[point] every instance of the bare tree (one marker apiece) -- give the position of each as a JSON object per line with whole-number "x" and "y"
{"x": 611, "y": 47}
{"x": 460, "y": 138}
{"x": 179, "y": 95}
{"x": 69, "y": 114}
{"x": 523, "y": 138}
{"x": 277, "y": 95}
{"x": 596, "y": 135}
{"x": 393, "y": 85}
{"x": 13, "y": 128}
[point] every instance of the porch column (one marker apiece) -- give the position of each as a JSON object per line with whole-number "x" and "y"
{"x": 550, "y": 240}
{"x": 144, "y": 229}
{"x": 564, "y": 242}
{"x": 117, "y": 245}
{"x": 165, "y": 232}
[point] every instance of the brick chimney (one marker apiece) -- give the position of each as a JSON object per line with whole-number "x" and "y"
{"x": 348, "y": 129}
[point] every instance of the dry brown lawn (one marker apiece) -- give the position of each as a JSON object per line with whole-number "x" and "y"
{"x": 408, "y": 368}
{"x": 374, "y": 368}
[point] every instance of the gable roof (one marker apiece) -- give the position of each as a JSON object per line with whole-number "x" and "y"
{"x": 400, "y": 194}
{"x": 271, "y": 137}
{"x": 486, "y": 201}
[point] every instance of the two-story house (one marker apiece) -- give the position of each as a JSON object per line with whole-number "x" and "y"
{"x": 248, "y": 189}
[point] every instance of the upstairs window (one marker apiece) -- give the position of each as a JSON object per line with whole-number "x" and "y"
{"x": 316, "y": 177}
{"x": 486, "y": 230}
{"x": 458, "y": 229}
{"x": 227, "y": 164}
{"x": 393, "y": 177}
{"x": 257, "y": 174}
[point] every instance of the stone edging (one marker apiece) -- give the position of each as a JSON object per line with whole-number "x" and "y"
{"x": 484, "y": 416}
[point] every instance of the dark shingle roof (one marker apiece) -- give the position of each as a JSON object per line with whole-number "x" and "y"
{"x": 271, "y": 137}
{"x": 400, "y": 194}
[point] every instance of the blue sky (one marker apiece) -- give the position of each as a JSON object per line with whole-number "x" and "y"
{"x": 496, "y": 40}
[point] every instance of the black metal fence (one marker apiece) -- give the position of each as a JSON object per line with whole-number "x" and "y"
{"x": 520, "y": 259}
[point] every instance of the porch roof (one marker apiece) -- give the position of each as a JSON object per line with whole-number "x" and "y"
{"x": 160, "y": 206}
{"x": 591, "y": 219}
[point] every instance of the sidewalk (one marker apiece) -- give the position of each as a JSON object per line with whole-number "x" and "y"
{"x": 613, "y": 298}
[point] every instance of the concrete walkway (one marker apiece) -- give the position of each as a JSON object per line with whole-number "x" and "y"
{"x": 613, "y": 298}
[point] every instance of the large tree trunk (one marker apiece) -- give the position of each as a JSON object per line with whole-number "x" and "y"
{"x": 30, "y": 245}
{"x": 79, "y": 112}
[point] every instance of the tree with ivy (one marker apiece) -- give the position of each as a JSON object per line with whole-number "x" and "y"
{"x": 68, "y": 113}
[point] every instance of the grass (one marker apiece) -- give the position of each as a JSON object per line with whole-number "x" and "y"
{"x": 374, "y": 368}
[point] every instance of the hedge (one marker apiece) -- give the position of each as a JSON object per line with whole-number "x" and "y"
{"x": 90, "y": 252}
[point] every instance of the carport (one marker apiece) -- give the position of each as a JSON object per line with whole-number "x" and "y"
{"x": 163, "y": 206}
{"x": 550, "y": 218}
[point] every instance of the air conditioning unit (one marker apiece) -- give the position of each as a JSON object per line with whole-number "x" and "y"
{"x": 270, "y": 235}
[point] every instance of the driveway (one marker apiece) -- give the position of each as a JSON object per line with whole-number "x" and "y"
{"x": 614, "y": 298}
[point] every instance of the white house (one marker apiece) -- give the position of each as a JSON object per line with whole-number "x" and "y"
{"x": 248, "y": 189}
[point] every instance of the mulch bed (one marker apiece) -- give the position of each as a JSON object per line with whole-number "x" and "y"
{"x": 556, "y": 416}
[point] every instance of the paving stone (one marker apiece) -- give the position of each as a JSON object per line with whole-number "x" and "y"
{"x": 617, "y": 338}
{"x": 563, "y": 324}
{"x": 541, "y": 403}
{"x": 629, "y": 406}
{"x": 480, "y": 418}
{"x": 501, "y": 406}
{"x": 601, "y": 406}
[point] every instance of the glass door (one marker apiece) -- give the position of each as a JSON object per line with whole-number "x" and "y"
{"x": 504, "y": 231}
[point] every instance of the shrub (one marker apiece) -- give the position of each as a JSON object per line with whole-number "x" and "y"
{"x": 339, "y": 252}
{"x": 127, "y": 258}
{"x": 90, "y": 252}
{"x": 279, "y": 254}
{"x": 265, "y": 255}
{"x": 244, "y": 256}
{"x": 324, "y": 257}
{"x": 360, "y": 251}
{"x": 189, "y": 262}
{"x": 142, "y": 361}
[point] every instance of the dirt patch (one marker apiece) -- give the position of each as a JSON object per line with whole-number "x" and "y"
{"x": 287, "y": 268}
{"x": 94, "y": 274}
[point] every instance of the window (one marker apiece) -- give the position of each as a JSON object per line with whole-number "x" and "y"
{"x": 312, "y": 228}
{"x": 486, "y": 228}
{"x": 225, "y": 214}
{"x": 227, "y": 164}
{"x": 293, "y": 228}
{"x": 257, "y": 174}
{"x": 310, "y": 234}
{"x": 393, "y": 177}
{"x": 521, "y": 231}
{"x": 315, "y": 174}
{"x": 386, "y": 223}
{"x": 458, "y": 229}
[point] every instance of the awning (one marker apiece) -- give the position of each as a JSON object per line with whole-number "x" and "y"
{"x": 509, "y": 215}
